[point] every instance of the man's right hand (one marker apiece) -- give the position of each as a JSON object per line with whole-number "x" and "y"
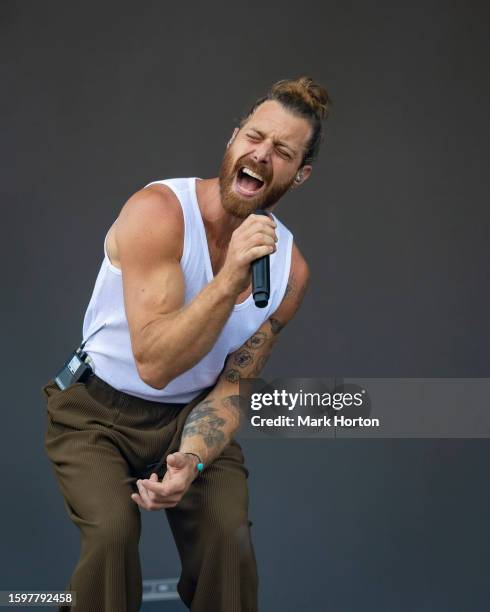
{"x": 254, "y": 238}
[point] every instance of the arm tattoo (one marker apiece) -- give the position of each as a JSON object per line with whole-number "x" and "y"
{"x": 205, "y": 422}
{"x": 232, "y": 375}
{"x": 243, "y": 358}
{"x": 256, "y": 340}
{"x": 232, "y": 402}
{"x": 246, "y": 360}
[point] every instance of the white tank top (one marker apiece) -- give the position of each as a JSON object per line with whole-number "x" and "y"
{"x": 105, "y": 327}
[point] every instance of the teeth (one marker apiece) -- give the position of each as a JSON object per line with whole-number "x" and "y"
{"x": 252, "y": 174}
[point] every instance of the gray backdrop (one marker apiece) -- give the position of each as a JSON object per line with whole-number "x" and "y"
{"x": 98, "y": 100}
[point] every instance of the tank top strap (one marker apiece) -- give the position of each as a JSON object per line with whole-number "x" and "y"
{"x": 184, "y": 190}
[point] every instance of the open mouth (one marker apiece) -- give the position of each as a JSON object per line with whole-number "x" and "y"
{"x": 249, "y": 182}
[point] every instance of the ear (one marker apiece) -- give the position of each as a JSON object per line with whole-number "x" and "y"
{"x": 302, "y": 175}
{"x": 235, "y": 132}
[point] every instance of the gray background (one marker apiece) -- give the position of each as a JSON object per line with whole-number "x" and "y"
{"x": 98, "y": 100}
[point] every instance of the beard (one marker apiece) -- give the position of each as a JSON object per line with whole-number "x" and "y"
{"x": 240, "y": 205}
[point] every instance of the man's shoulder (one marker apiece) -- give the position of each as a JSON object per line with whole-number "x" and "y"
{"x": 156, "y": 202}
{"x": 153, "y": 214}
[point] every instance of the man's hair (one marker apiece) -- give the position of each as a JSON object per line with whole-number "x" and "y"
{"x": 305, "y": 98}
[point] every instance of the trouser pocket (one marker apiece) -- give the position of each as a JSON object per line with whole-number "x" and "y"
{"x": 75, "y": 408}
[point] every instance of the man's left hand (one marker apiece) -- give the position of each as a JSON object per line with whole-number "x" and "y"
{"x": 155, "y": 495}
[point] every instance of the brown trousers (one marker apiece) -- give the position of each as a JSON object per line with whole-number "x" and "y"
{"x": 100, "y": 441}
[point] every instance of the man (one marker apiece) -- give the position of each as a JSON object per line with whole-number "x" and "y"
{"x": 170, "y": 330}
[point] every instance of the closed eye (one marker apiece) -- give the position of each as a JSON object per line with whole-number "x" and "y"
{"x": 253, "y": 137}
{"x": 284, "y": 153}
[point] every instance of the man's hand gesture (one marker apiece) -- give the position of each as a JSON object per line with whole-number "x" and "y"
{"x": 155, "y": 495}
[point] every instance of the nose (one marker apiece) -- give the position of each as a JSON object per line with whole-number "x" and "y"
{"x": 262, "y": 153}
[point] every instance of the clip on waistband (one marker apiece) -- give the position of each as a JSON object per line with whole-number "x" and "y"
{"x": 75, "y": 369}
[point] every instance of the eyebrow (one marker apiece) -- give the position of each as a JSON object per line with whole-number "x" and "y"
{"x": 277, "y": 142}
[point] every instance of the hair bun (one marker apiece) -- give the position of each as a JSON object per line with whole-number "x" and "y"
{"x": 312, "y": 94}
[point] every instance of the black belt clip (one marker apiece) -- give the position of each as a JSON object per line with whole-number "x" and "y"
{"x": 76, "y": 369}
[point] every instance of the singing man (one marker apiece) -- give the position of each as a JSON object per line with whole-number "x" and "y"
{"x": 170, "y": 329}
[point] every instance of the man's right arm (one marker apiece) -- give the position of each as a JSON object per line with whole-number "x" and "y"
{"x": 168, "y": 337}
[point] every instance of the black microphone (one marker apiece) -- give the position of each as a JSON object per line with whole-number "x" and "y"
{"x": 261, "y": 279}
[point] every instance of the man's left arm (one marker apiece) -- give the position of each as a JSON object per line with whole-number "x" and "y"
{"x": 211, "y": 424}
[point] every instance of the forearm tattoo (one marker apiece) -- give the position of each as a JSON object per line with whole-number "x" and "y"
{"x": 204, "y": 421}
{"x": 207, "y": 421}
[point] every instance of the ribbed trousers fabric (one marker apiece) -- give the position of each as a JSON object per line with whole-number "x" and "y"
{"x": 100, "y": 441}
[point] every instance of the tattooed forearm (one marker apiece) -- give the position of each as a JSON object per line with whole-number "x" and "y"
{"x": 210, "y": 425}
{"x": 204, "y": 421}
